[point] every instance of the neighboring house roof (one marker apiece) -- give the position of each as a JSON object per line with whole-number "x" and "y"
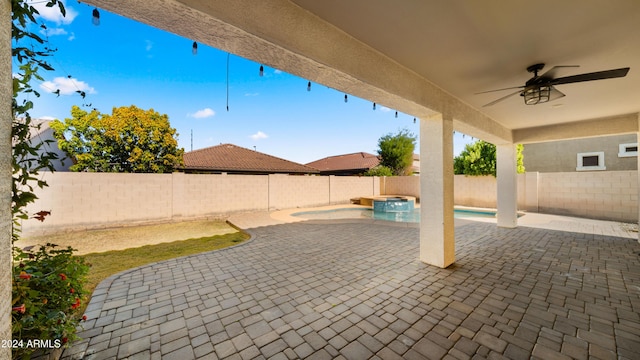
{"x": 347, "y": 163}
{"x": 235, "y": 159}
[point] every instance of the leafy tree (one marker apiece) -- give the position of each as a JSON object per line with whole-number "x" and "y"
{"x": 520, "y": 159}
{"x": 396, "y": 151}
{"x": 128, "y": 140}
{"x": 479, "y": 158}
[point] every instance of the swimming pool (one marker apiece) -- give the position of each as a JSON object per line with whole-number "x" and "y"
{"x": 410, "y": 216}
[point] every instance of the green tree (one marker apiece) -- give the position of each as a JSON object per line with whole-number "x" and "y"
{"x": 479, "y": 158}
{"x": 128, "y": 140}
{"x": 396, "y": 151}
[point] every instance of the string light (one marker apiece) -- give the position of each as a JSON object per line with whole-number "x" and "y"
{"x": 194, "y": 48}
{"x": 96, "y": 17}
{"x": 414, "y": 120}
{"x": 396, "y": 114}
{"x": 374, "y": 106}
{"x": 261, "y": 70}
{"x": 346, "y": 99}
{"x": 309, "y": 86}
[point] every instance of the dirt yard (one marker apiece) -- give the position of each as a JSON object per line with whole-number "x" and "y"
{"x": 102, "y": 240}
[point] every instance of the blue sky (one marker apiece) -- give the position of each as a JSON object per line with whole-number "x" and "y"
{"x": 122, "y": 62}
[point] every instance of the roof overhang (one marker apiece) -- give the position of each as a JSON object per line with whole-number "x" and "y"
{"x": 430, "y": 58}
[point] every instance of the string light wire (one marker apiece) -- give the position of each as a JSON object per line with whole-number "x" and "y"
{"x": 228, "y": 55}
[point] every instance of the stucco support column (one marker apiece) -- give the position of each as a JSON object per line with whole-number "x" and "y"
{"x": 437, "y": 240}
{"x": 507, "y": 185}
{"x": 6, "y": 93}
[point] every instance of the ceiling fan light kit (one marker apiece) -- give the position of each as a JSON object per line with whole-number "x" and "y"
{"x": 536, "y": 94}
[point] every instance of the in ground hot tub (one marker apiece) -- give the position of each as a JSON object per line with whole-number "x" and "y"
{"x": 393, "y": 204}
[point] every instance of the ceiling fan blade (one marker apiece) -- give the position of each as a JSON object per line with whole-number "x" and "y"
{"x": 551, "y": 73}
{"x": 599, "y": 75}
{"x": 509, "y": 88}
{"x": 502, "y": 98}
{"x": 555, "y": 94}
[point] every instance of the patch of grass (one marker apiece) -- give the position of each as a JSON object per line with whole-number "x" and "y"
{"x": 109, "y": 263}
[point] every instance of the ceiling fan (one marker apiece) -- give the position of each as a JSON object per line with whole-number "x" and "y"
{"x": 540, "y": 88}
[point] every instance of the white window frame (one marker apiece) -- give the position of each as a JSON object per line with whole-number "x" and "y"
{"x": 581, "y": 156}
{"x": 622, "y": 150}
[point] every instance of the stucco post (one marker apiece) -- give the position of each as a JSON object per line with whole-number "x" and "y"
{"x": 507, "y": 183}
{"x": 6, "y": 93}
{"x": 437, "y": 240}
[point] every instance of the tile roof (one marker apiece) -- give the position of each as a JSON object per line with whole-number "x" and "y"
{"x": 232, "y": 158}
{"x": 355, "y": 161}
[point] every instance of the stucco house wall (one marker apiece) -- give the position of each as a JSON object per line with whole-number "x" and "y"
{"x": 561, "y": 156}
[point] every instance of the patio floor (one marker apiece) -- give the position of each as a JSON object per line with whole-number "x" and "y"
{"x": 356, "y": 290}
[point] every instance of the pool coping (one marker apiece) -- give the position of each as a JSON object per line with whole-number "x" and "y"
{"x": 286, "y": 215}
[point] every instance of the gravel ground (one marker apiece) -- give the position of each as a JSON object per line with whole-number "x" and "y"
{"x": 102, "y": 240}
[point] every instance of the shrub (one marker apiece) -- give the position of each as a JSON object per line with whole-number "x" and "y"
{"x": 379, "y": 170}
{"x": 47, "y": 292}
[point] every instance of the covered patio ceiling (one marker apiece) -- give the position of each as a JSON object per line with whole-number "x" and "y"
{"x": 433, "y": 57}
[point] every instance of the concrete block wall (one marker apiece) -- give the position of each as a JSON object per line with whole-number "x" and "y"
{"x": 401, "y": 185}
{"x": 476, "y": 191}
{"x": 78, "y": 200}
{"x": 97, "y": 200}
{"x": 343, "y": 188}
{"x": 287, "y": 192}
{"x": 609, "y": 195}
{"x": 198, "y": 195}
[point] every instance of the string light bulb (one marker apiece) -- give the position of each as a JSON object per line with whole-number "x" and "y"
{"x": 346, "y": 99}
{"x": 309, "y": 86}
{"x": 374, "y": 106}
{"x": 261, "y": 70}
{"x": 396, "y": 114}
{"x": 414, "y": 120}
{"x": 95, "y": 20}
{"x": 194, "y": 48}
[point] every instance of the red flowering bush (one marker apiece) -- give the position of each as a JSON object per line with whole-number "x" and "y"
{"x": 47, "y": 291}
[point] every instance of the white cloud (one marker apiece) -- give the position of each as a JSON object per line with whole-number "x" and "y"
{"x": 53, "y": 32}
{"x": 201, "y": 114}
{"x": 71, "y": 37}
{"x": 251, "y": 94}
{"x": 53, "y": 13}
{"x": 67, "y": 86}
{"x": 384, "y": 108}
{"x": 259, "y": 135}
{"x": 149, "y": 45}
{"x": 276, "y": 71}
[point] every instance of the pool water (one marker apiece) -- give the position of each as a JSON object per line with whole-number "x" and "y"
{"x": 409, "y": 216}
